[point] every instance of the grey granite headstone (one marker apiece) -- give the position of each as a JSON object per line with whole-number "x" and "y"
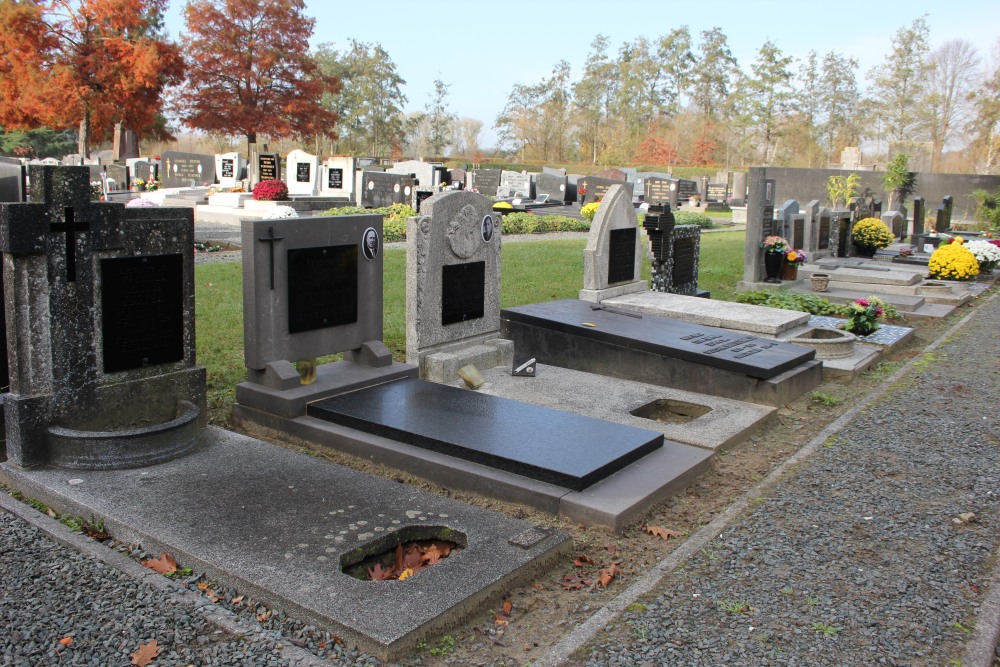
{"x": 426, "y": 173}
{"x": 811, "y": 213}
{"x": 118, "y": 174}
{"x": 556, "y": 187}
{"x": 612, "y": 258}
{"x": 12, "y": 180}
{"x": 453, "y": 286}
{"x": 516, "y": 184}
{"x": 554, "y": 171}
{"x": 917, "y": 226}
{"x": 312, "y": 287}
{"x": 612, "y": 174}
{"x": 760, "y": 225}
{"x": 784, "y": 218}
{"x": 380, "y": 189}
{"x": 103, "y": 373}
{"x": 184, "y": 170}
{"x": 593, "y": 188}
{"x": 895, "y": 221}
{"x": 739, "y": 189}
{"x": 456, "y": 176}
{"x": 485, "y": 181}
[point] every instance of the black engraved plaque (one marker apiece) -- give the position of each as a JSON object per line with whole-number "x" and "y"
{"x": 227, "y": 167}
{"x": 823, "y": 242}
{"x": 767, "y": 224}
{"x": 322, "y": 287}
{"x": 303, "y": 172}
{"x": 267, "y": 165}
{"x": 142, "y": 306}
{"x": 621, "y": 255}
{"x": 463, "y": 292}
{"x": 717, "y": 191}
{"x": 683, "y": 261}
{"x": 798, "y": 233}
{"x": 335, "y": 179}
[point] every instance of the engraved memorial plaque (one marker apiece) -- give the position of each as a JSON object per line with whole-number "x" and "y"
{"x": 767, "y": 224}
{"x": 227, "y": 167}
{"x": 267, "y": 166}
{"x": 303, "y": 172}
{"x": 335, "y": 179}
{"x": 322, "y": 287}
{"x": 717, "y": 191}
{"x": 621, "y": 256}
{"x": 823, "y": 243}
{"x": 463, "y": 291}
{"x": 684, "y": 261}
{"x": 142, "y": 306}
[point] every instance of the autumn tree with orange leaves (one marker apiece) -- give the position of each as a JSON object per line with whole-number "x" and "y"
{"x": 250, "y": 73}
{"x": 90, "y": 63}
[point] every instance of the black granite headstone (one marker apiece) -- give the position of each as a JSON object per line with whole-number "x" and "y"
{"x": 621, "y": 255}
{"x": 380, "y": 189}
{"x": 798, "y": 232}
{"x": 561, "y": 448}
{"x": 463, "y": 291}
{"x": 684, "y": 261}
{"x": 595, "y": 188}
{"x": 12, "y": 180}
{"x": 322, "y": 287}
{"x": 717, "y": 192}
{"x": 659, "y": 190}
{"x": 335, "y": 178}
{"x": 486, "y": 181}
{"x": 142, "y": 306}
{"x": 228, "y": 167}
{"x": 823, "y": 242}
{"x": 268, "y": 167}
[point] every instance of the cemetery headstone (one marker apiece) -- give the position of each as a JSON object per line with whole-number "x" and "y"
{"x": 338, "y": 177}
{"x": 553, "y": 171}
{"x": 825, "y": 230}
{"x": 593, "y": 188}
{"x": 661, "y": 190}
{"x": 268, "y": 167}
{"x": 783, "y": 216}
{"x": 612, "y": 259}
{"x": 682, "y": 264}
{"x": 811, "y": 215}
{"x": 230, "y": 168}
{"x": 72, "y": 160}
{"x": 105, "y": 376}
{"x": 612, "y": 175}
{"x": 13, "y": 176}
{"x": 917, "y": 226}
{"x": 760, "y": 224}
{"x": 184, "y": 170}
{"x": 380, "y": 189}
{"x": 458, "y": 177}
{"x": 556, "y": 187}
{"x": 895, "y": 221}
{"x": 486, "y": 181}
{"x": 118, "y": 176}
{"x": 453, "y": 286}
{"x": 311, "y": 290}
{"x": 948, "y": 205}
{"x": 125, "y": 143}
{"x": 516, "y": 184}
{"x": 739, "y": 190}
{"x": 428, "y": 174}
{"x": 302, "y": 173}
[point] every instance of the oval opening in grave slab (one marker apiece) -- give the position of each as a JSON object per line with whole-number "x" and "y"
{"x": 382, "y": 551}
{"x": 670, "y": 411}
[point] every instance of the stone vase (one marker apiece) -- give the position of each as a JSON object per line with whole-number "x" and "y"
{"x": 819, "y": 282}
{"x": 773, "y": 261}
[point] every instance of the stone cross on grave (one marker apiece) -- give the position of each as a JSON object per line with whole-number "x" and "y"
{"x": 270, "y": 240}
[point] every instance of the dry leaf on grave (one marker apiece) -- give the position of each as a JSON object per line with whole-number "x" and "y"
{"x": 607, "y": 574}
{"x": 379, "y": 573}
{"x": 146, "y": 654}
{"x": 664, "y": 533}
{"x": 165, "y": 564}
{"x": 583, "y": 560}
{"x": 66, "y": 641}
{"x": 236, "y": 600}
{"x": 508, "y": 606}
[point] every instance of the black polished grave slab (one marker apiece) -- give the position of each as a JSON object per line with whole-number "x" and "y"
{"x": 142, "y": 311}
{"x": 561, "y": 448}
{"x": 463, "y": 290}
{"x": 621, "y": 255}
{"x": 322, "y": 287}
{"x": 759, "y": 358}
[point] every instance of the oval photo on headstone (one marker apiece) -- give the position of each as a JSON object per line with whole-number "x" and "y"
{"x": 487, "y": 229}
{"x": 370, "y": 243}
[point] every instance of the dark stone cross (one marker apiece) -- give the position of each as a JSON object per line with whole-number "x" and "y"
{"x": 270, "y": 240}
{"x": 71, "y": 225}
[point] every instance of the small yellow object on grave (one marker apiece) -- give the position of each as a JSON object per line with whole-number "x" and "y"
{"x": 472, "y": 376}
{"x": 588, "y": 324}
{"x": 307, "y": 370}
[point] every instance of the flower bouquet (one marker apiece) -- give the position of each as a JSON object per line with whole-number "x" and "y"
{"x": 775, "y": 244}
{"x": 796, "y": 257}
{"x": 864, "y": 317}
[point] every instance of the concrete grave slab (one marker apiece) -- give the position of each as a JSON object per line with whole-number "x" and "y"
{"x": 280, "y": 526}
{"x": 709, "y": 422}
{"x": 759, "y": 320}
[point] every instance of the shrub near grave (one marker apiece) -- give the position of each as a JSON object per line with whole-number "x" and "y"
{"x": 270, "y": 190}
{"x": 953, "y": 261}
{"x": 394, "y": 218}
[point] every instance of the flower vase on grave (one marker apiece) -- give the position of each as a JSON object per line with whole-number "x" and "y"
{"x": 865, "y": 250}
{"x": 773, "y": 261}
{"x": 790, "y": 271}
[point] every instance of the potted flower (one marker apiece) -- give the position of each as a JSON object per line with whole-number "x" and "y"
{"x": 870, "y": 235}
{"x": 953, "y": 261}
{"x": 139, "y": 185}
{"x": 986, "y": 253}
{"x": 695, "y": 200}
{"x": 793, "y": 260}
{"x": 864, "y": 317}
{"x": 775, "y": 248}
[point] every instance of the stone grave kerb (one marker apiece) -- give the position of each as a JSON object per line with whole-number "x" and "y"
{"x": 312, "y": 287}
{"x": 100, "y": 320}
{"x": 453, "y": 286}
{"x": 612, "y": 258}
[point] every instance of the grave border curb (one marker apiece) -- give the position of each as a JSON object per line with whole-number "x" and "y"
{"x": 979, "y": 648}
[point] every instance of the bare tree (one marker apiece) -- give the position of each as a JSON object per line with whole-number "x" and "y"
{"x": 953, "y": 77}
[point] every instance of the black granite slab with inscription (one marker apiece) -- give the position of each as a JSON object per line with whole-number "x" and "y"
{"x": 596, "y": 188}
{"x": 760, "y": 358}
{"x": 379, "y": 189}
{"x": 268, "y": 166}
{"x": 322, "y": 287}
{"x": 181, "y": 170}
{"x": 621, "y": 255}
{"x": 569, "y": 450}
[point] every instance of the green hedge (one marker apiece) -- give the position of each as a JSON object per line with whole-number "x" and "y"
{"x": 693, "y": 218}
{"x": 806, "y": 303}
{"x": 529, "y": 223}
{"x": 394, "y": 218}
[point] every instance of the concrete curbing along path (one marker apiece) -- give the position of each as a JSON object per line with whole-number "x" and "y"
{"x": 212, "y": 613}
{"x": 981, "y": 646}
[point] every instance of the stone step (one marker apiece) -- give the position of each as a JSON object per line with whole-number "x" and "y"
{"x": 911, "y": 306}
{"x": 930, "y": 294}
{"x": 864, "y": 274}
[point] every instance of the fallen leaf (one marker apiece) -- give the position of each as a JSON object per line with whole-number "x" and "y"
{"x": 405, "y": 574}
{"x": 499, "y": 619}
{"x": 66, "y": 641}
{"x": 507, "y": 607}
{"x": 664, "y": 533}
{"x": 432, "y": 555}
{"x": 146, "y": 654}
{"x": 612, "y": 549}
{"x": 607, "y": 574}
{"x": 51, "y": 513}
{"x": 583, "y": 560}
{"x": 379, "y": 573}
{"x": 538, "y": 587}
{"x": 202, "y": 585}
{"x": 165, "y": 564}
{"x": 263, "y": 617}
{"x": 237, "y": 600}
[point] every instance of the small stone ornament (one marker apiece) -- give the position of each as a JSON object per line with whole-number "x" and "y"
{"x": 524, "y": 369}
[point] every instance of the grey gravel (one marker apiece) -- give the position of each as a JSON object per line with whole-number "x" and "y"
{"x": 856, "y": 558}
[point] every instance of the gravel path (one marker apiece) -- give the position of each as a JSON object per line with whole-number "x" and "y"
{"x": 856, "y": 557}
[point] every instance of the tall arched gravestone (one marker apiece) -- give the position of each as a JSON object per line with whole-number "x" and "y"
{"x": 612, "y": 260}
{"x": 453, "y": 286}
{"x": 100, "y": 306}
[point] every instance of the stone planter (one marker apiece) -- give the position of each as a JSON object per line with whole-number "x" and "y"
{"x": 819, "y": 282}
{"x": 828, "y": 343}
{"x": 790, "y": 271}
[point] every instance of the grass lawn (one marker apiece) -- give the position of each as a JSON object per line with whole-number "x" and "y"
{"x": 532, "y": 272}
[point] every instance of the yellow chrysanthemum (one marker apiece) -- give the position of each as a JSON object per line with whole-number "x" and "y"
{"x": 953, "y": 262}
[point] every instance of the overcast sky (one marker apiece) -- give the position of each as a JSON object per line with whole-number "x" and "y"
{"x": 482, "y": 49}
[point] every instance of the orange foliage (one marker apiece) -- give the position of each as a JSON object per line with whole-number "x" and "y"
{"x": 655, "y": 150}
{"x": 102, "y": 61}
{"x": 250, "y": 71}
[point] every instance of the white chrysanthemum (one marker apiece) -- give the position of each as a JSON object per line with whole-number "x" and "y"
{"x": 987, "y": 254}
{"x": 139, "y": 202}
{"x": 284, "y": 212}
